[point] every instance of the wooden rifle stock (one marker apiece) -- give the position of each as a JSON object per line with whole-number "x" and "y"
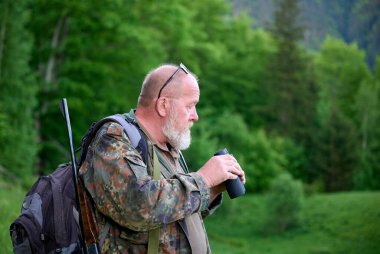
{"x": 90, "y": 230}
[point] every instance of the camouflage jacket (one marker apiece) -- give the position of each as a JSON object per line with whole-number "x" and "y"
{"x": 131, "y": 202}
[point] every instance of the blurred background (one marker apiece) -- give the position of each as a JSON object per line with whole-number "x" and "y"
{"x": 291, "y": 88}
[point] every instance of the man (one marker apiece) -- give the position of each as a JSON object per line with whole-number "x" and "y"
{"x": 129, "y": 203}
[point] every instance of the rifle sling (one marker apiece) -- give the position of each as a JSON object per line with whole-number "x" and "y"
{"x": 154, "y": 234}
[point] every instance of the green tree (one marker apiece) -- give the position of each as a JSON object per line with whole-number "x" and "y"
{"x": 264, "y": 161}
{"x": 96, "y": 57}
{"x": 343, "y": 100}
{"x": 336, "y": 156}
{"x": 340, "y": 70}
{"x": 291, "y": 91}
{"x": 288, "y": 93}
{"x": 368, "y": 102}
{"x": 238, "y": 76}
{"x": 17, "y": 91}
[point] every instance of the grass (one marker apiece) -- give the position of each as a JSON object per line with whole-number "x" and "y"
{"x": 11, "y": 197}
{"x": 331, "y": 223}
{"x": 337, "y": 223}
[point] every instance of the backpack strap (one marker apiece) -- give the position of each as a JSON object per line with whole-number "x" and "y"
{"x": 103, "y": 234}
{"x": 137, "y": 138}
{"x": 59, "y": 218}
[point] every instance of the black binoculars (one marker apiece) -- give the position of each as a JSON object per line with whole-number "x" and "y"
{"x": 235, "y": 187}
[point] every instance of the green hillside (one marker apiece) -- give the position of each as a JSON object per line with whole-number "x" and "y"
{"x": 332, "y": 223}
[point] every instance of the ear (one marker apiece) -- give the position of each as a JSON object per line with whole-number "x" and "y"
{"x": 162, "y": 106}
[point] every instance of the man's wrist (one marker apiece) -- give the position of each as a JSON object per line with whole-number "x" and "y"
{"x": 204, "y": 177}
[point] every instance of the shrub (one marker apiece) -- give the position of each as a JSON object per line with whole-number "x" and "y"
{"x": 283, "y": 204}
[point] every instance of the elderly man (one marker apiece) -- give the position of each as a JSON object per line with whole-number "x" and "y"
{"x": 129, "y": 203}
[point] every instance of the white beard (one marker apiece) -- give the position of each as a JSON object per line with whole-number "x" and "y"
{"x": 179, "y": 139}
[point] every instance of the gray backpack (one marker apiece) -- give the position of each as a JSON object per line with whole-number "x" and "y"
{"x": 49, "y": 220}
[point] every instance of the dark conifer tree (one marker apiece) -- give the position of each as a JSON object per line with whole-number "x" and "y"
{"x": 290, "y": 90}
{"x": 336, "y": 157}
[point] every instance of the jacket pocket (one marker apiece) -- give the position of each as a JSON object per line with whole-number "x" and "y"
{"x": 137, "y": 167}
{"x": 135, "y": 237}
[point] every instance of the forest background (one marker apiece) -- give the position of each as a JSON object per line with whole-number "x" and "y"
{"x": 289, "y": 87}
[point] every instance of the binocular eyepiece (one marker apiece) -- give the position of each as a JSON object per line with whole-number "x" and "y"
{"x": 235, "y": 187}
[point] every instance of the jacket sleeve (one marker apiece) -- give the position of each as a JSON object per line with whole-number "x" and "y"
{"x": 118, "y": 181}
{"x": 215, "y": 204}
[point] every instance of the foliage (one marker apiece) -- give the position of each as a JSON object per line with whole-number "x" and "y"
{"x": 4, "y": 127}
{"x": 17, "y": 91}
{"x": 283, "y": 205}
{"x": 269, "y": 100}
{"x": 295, "y": 156}
{"x": 336, "y": 157}
{"x": 261, "y": 156}
{"x": 203, "y": 146}
{"x": 253, "y": 149}
{"x": 71, "y": 68}
{"x": 290, "y": 91}
{"x": 237, "y": 75}
{"x": 231, "y": 132}
{"x": 340, "y": 69}
{"x": 264, "y": 162}
{"x": 367, "y": 104}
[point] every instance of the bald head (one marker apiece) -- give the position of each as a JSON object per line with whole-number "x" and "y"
{"x": 167, "y": 116}
{"x": 155, "y": 80}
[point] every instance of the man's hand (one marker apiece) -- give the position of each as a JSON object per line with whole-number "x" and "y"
{"x": 219, "y": 169}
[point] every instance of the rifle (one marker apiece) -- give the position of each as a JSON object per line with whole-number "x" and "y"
{"x": 86, "y": 221}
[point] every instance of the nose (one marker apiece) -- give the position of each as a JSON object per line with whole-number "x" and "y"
{"x": 194, "y": 115}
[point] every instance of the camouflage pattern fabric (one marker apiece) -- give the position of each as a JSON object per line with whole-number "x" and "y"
{"x": 126, "y": 196}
